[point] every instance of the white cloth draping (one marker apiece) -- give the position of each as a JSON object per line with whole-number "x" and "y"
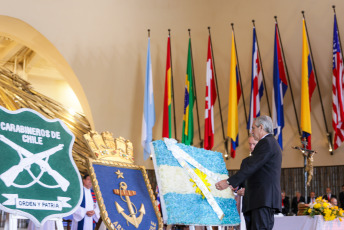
{"x": 81, "y": 212}
{"x": 306, "y": 223}
{"x": 48, "y": 225}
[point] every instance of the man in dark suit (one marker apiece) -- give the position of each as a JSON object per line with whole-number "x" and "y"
{"x": 341, "y": 197}
{"x": 311, "y": 199}
{"x": 295, "y": 202}
{"x": 328, "y": 196}
{"x": 261, "y": 173}
{"x": 285, "y": 204}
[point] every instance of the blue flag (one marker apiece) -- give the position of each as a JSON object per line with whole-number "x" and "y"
{"x": 148, "y": 120}
{"x": 279, "y": 90}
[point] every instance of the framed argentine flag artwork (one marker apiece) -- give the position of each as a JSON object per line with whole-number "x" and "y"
{"x": 186, "y": 177}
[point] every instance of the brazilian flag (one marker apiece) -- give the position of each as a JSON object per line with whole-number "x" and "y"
{"x": 188, "y": 127}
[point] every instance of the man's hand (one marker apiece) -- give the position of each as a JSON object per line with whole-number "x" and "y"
{"x": 221, "y": 185}
{"x": 241, "y": 192}
{"x": 90, "y": 213}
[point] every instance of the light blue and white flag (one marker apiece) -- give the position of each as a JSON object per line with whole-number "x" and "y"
{"x": 186, "y": 177}
{"x": 148, "y": 120}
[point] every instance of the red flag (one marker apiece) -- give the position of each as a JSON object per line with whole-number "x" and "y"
{"x": 167, "y": 117}
{"x": 210, "y": 97}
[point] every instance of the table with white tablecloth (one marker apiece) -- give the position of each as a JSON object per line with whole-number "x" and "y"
{"x": 307, "y": 223}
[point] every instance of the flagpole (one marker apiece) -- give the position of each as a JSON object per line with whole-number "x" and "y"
{"x": 195, "y": 95}
{"x": 150, "y": 155}
{"x": 172, "y": 88}
{"x": 218, "y": 96}
{"x": 287, "y": 72}
{"x": 261, "y": 67}
{"x": 242, "y": 89}
{"x": 318, "y": 86}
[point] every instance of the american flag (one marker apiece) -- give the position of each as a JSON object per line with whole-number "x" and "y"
{"x": 257, "y": 87}
{"x": 337, "y": 89}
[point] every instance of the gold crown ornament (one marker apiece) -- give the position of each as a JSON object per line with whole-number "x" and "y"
{"x": 105, "y": 147}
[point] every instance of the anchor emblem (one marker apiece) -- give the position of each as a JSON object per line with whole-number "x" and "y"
{"x": 131, "y": 218}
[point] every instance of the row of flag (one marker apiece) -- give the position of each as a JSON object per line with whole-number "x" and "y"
{"x": 280, "y": 86}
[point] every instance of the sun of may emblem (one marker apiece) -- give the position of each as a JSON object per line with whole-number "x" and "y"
{"x": 203, "y": 177}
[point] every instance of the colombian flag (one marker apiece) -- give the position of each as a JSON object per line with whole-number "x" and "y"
{"x": 234, "y": 96}
{"x": 167, "y": 117}
{"x": 308, "y": 85}
{"x": 187, "y": 136}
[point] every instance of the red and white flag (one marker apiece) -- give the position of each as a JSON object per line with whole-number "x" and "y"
{"x": 210, "y": 97}
{"x": 257, "y": 87}
{"x": 337, "y": 90}
{"x": 157, "y": 201}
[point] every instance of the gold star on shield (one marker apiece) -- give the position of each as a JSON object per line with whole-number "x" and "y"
{"x": 119, "y": 174}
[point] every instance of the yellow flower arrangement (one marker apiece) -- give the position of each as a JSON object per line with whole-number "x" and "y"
{"x": 203, "y": 177}
{"x": 324, "y": 208}
{"x": 325, "y": 205}
{"x": 317, "y": 206}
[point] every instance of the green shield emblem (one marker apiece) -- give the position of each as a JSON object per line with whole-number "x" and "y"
{"x": 38, "y": 176}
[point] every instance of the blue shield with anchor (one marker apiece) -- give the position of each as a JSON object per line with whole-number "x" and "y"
{"x": 124, "y": 196}
{"x": 38, "y": 176}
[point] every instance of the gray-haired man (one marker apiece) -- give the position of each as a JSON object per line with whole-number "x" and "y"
{"x": 262, "y": 173}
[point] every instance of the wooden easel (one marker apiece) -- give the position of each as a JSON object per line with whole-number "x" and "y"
{"x": 11, "y": 222}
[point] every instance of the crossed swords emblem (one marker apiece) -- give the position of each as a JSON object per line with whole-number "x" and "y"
{"x": 131, "y": 218}
{"x": 9, "y": 176}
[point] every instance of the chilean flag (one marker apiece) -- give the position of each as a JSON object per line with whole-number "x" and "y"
{"x": 257, "y": 87}
{"x": 210, "y": 98}
{"x": 279, "y": 89}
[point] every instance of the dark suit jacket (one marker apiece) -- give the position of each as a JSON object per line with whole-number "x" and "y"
{"x": 286, "y": 204}
{"x": 309, "y": 199}
{"x": 326, "y": 198}
{"x": 294, "y": 204}
{"x": 261, "y": 173}
{"x": 341, "y": 199}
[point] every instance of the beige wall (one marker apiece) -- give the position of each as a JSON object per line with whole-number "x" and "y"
{"x": 105, "y": 44}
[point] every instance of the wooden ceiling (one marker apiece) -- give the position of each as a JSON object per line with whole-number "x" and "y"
{"x": 24, "y": 61}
